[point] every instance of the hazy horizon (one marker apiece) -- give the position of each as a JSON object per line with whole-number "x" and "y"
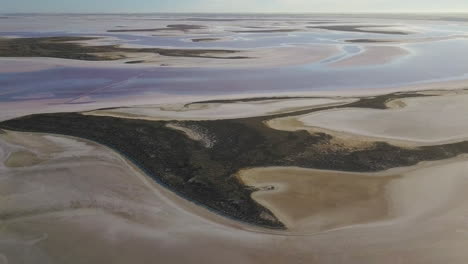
{"x": 241, "y": 6}
{"x": 246, "y": 12}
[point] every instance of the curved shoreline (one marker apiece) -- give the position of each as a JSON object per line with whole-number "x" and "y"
{"x": 200, "y": 209}
{"x": 136, "y": 165}
{"x": 203, "y": 175}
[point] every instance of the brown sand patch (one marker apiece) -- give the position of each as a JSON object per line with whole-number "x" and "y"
{"x": 310, "y": 201}
{"x": 316, "y": 200}
{"x": 22, "y": 159}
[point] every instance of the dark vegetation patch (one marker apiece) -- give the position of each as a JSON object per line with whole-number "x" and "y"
{"x": 214, "y": 19}
{"x": 56, "y": 47}
{"x": 207, "y": 175}
{"x": 175, "y": 27}
{"x": 205, "y": 39}
{"x": 361, "y": 28}
{"x": 135, "y": 62}
{"x": 66, "y": 48}
{"x": 320, "y": 22}
{"x": 254, "y": 99}
{"x": 266, "y": 30}
{"x": 369, "y": 41}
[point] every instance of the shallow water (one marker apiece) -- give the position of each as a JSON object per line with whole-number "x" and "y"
{"x": 427, "y": 61}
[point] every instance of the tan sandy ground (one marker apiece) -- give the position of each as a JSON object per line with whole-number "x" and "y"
{"x": 210, "y": 111}
{"x": 310, "y": 201}
{"x": 373, "y": 55}
{"x": 22, "y": 158}
{"x": 418, "y": 121}
{"x": 84, "y": 205}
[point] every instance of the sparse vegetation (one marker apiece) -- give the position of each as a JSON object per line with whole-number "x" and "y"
{"x": 68, "y": 48}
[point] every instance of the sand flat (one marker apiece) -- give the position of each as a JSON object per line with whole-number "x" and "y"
{"x": 261, "y": 57}
{"x": 373, "y": 55}
{"x": 427, "y": 120}
{"x": 255, "y": 58}
{"x": 210, "y": 111}
{"x": 308, "y": 200}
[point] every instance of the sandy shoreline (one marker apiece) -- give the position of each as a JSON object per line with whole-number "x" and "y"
{"x": 214, "y": 111}
{"x": 419, "y": 121}
{"x": 9, "y": 110}
{"x": 150, "y": 222}
{"x": 311, "y": 201}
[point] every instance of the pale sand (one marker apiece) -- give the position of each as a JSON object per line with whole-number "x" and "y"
{"x": 373, "y": 55}
{"x": 9, "y": 110}
{"x": 85, "y": 204}
{"x": 261, "y": 57}
{"x": 194, "y": 134}
{"x": 93, "y": 208}
{"x": 265, "y": 57}
{"x": 423, "y": 120}
{"x": 211, "y": 111}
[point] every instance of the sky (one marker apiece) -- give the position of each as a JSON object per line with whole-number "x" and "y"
{"x": 231, "y": 6}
